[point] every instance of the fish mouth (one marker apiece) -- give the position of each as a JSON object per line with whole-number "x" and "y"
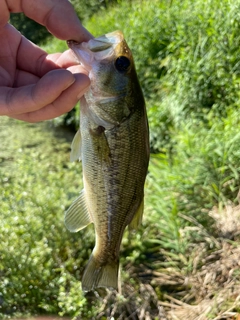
{"x": 95, "y": 49}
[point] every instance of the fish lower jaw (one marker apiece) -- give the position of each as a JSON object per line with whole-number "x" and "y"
{"x": 105, "y": 100}
{"x": 96, "y": 98}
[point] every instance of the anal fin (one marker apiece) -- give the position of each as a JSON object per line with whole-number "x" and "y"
{"x": 77, "y": 216}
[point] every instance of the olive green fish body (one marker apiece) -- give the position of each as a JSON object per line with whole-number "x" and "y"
{"x": 115, "y": 154}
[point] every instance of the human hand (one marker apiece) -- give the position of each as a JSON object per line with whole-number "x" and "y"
{"x": 35, "y": 86}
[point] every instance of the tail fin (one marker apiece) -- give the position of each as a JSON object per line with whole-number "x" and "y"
{"x": 96, "y": 276}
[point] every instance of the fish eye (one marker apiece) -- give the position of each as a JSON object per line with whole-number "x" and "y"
{"x": 122, "y": 63}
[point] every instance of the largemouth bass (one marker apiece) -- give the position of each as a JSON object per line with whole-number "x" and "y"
{"x": 113, "y": 144}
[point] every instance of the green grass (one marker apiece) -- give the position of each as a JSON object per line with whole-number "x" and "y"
{"x": 38, "y": 184}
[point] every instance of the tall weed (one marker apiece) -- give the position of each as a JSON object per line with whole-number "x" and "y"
{"x": 204, "y": 169}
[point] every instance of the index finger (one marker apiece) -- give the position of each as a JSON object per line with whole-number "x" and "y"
{"x": 57, "y": 16}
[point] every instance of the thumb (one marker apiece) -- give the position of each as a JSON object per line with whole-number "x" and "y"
{"x": 15, "y": 101}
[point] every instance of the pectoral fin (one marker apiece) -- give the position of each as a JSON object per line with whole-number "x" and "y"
{"x": 137, "y": 219}
{"x": 102, "y": 149}
{"x": 77, "y": 216}
{"x": 76, "y": 147}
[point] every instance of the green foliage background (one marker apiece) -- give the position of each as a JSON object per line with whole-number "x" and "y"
{"x": 29, "y": 28}
{"x": 187, "y": 58}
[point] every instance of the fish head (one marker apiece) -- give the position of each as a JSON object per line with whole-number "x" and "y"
{"x": 114, "y": 83}
{"x": 108, "y": 60}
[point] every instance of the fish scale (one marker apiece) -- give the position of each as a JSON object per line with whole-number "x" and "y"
{"x": 113, "y": 144}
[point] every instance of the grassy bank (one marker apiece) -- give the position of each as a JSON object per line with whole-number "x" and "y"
{"x": 177, "y": 266}
{"x": 37, "y": 184}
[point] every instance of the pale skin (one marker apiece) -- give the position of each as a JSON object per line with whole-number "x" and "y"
{"x": 34, "y": 85}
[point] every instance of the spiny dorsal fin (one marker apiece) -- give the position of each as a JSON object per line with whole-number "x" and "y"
{"x": 76, "y": 147}
{"x": 137, "y": 219}
{"x": 77, "y": 216}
